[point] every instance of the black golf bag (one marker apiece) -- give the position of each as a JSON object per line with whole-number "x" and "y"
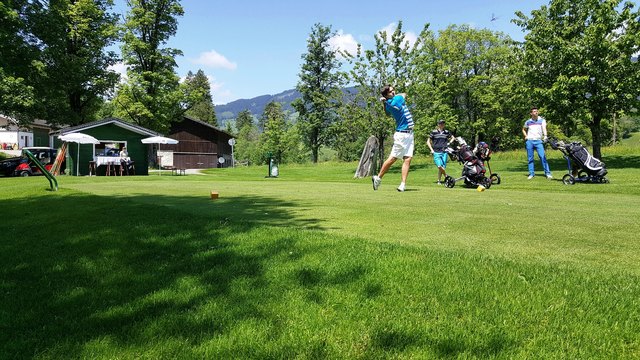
{"x": 581, "y": 165}
{"x": 473, "y": 170}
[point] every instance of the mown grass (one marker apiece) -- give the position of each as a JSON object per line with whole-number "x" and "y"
{"x": 315, "y": 264}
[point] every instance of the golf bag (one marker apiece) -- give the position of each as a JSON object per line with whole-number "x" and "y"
{"x": 580, "y": 164}
{"x": 483, "y": 152}
{"x": 473, "y": 170}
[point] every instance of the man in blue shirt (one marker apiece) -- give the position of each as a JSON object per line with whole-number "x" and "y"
{"x": 396, "y": 106}
{"x": 535, "y": 134}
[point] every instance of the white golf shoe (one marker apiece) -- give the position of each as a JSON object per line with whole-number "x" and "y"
{"x": 375, "y": 179}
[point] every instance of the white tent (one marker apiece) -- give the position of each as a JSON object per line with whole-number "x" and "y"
{"x": 159, "y": 140}
{"x": 78, "y": 138}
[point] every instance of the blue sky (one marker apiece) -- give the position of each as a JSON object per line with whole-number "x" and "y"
{"x": 250, "y": 48}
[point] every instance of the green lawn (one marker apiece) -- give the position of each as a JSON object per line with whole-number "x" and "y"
{"x": 315, "y": 264}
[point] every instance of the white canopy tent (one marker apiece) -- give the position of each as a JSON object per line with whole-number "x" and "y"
{"x": 78, "y": 138}
{"x": 159, "y": 140}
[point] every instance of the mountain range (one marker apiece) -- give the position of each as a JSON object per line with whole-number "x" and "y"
{"x": 229, "y": 112}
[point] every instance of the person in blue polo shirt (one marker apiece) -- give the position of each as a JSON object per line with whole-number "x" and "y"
{"x": 438, "y": 141}
{"x": 535, "y": 134}
{"x": 396, "y": 106}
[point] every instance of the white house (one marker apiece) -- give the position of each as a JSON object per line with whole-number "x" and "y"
{"x": 16, "y": 137}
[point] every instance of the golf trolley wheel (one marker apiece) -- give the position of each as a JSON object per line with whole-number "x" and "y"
{"x": 495, "y": 179}
{"x": 604, "y": 180}
{"x": 486, "y": 182}
{"x": 583, "y": 175}
{"x": 449, "y": 182}
{"x": 568, "y": 179}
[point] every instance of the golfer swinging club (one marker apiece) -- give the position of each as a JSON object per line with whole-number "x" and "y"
{"x": 396, "y": 106}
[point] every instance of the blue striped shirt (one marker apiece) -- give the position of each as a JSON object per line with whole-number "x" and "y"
{"x": 397, "y": 107}
{"x": 534, "y": 128}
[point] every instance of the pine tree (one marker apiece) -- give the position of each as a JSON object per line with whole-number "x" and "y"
{"x": 199, "y": 103}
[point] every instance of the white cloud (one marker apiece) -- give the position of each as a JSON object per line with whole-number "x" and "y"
{"x": 121, "y": 69}
{"x": 344, "y": 42}
{"x": 409, "y": 36}
{"x": 219, "y": 94}
{"x": 215, "y": 60}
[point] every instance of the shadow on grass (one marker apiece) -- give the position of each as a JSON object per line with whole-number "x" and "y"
{"x": 80, "y": 269}
{"x": 622, "y": 162}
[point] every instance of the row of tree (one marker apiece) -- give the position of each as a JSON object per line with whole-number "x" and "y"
{"x": 55, "y": 63}
{"x": 578, "y": 63}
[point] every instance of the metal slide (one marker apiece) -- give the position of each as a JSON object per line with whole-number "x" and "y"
{"x": 52, "y": 180}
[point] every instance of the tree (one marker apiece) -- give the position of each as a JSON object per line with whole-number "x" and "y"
{"x": 247, "y": 144}
{"x": 198, "y": 94}
{"x": 351, "y": 131}
{"x": 75, "y": 35}
{"x": 58, "y": 49}
{"x": 17, "y": 96}
{"x": 320, "y": 89}
{"x": 244, "y": 118}
{"x": 273, "y": 138}
{"x": 460, "y": 78}
{"x": 579, "y": 61}
{"x": 152, "y": 96}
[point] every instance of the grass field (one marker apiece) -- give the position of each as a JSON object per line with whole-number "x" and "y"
{"x": 315, "y": 264}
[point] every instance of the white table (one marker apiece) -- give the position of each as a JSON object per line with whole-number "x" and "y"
{"x": 108, "y": 160}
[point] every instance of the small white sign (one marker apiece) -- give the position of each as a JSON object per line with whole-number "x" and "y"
{"x": 232, "y": 141}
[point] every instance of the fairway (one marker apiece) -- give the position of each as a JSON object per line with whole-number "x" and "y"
{"x": 315, "y": 264}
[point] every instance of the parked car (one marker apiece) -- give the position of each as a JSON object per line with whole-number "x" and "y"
{"x": 23, "y": 166}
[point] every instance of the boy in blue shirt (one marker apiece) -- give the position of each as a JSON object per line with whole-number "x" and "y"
{"x": 396, "y": 106}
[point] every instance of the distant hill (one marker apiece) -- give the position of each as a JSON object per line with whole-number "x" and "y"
{"x": 256, "y": 105}
{"x": 229, "y": 112}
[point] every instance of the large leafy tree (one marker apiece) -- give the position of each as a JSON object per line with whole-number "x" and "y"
{"x": 578, "y": 58}
{"x": 461, "y": 75}
{"x": 54, "y": 53}
{"x": 16, "y": 97}
{"x": 152, "y": 96}
{"x": 17, "y": 57}
{"x": 320, "y": 88}
{"x": 75, "y": 34}
{"x": 198, "y": 93}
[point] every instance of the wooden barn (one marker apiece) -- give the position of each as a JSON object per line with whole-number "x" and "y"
{"x": 201, "y": 146}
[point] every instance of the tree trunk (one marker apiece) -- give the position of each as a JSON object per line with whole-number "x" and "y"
{"x": 315, "y": 146}
{"x": 367, "y": 165}
{"x": 380, "y": 153}
{"x": 596, "y": 136}
{"x": 613, "y": 137}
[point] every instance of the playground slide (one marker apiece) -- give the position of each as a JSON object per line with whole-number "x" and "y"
{"x": 45, "y": 172}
